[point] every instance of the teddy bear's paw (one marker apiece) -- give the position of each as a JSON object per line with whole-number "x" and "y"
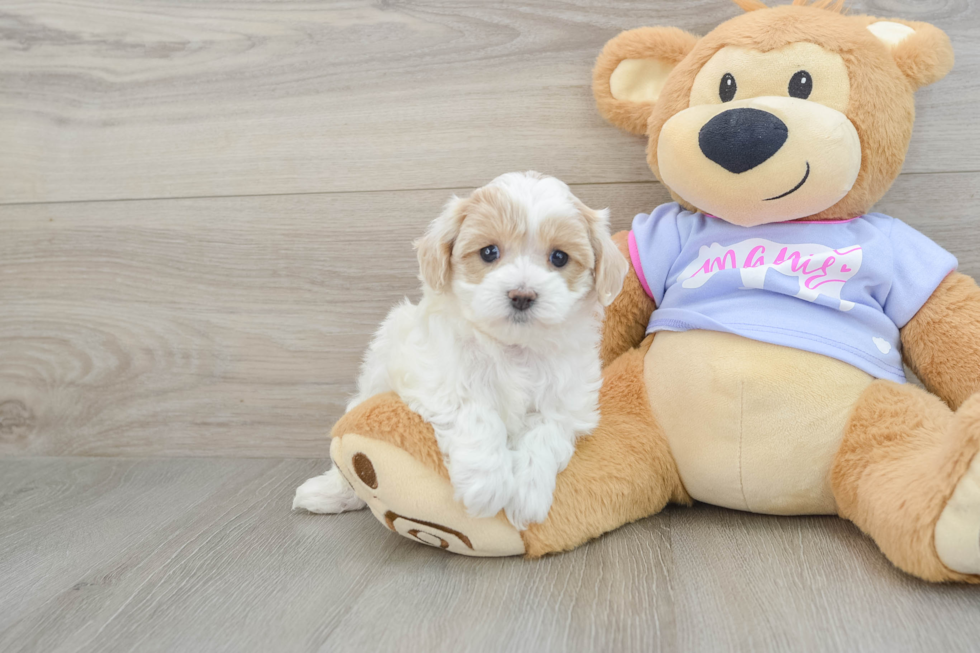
{"x": 328, "y": 493}
{"x": 417, "y": 502}
{"x": 958, "y": 529}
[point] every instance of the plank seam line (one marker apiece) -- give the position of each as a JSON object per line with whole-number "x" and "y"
{"x": 380, "y": 190}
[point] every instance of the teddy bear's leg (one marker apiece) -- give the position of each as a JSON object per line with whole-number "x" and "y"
{"x": 622, "y": 472}
{"x": 905, "y": 469}
{"x": 389, "y": 456}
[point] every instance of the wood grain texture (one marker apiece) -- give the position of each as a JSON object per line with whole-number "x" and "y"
{"x": 320, "y": 138}
{"x": 203, "y": 555}
{"x": 234, "y": 326}
{"x": 177, "y": 98}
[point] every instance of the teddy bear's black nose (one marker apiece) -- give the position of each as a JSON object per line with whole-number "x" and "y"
{"x": 740, "y": 139}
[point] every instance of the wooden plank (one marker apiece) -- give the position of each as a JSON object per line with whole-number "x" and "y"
{"x": 71, "y": 526}
{"x": 204, "y": 555}
{"x": 211, "y": 543}
{"x": 235, "y": 326}
{"x": 175, "y": 98}
{"x": 613, "y": 595}
{"x": 759, "y": 583}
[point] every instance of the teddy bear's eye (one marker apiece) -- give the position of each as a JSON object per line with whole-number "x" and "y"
{"x": 727, "y": 88}
{"x": 801, "y": 85}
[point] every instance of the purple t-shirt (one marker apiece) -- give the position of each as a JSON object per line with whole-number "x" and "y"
{"x": 841, "y": 288}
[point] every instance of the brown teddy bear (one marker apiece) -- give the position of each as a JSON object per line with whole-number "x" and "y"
{"x": 782, "y": 309}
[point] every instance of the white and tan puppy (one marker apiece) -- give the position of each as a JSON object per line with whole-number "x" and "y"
{"x": 501, "y": 355}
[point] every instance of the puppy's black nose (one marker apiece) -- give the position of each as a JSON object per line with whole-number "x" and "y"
{"x": 740, "y": 139}
{"x": 522, "y": 299}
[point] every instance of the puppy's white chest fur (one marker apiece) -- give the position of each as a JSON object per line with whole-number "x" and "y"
{"x": 524, "y": 385}
{"x": 437, "y": 362}
{"x": 519, "y": 372}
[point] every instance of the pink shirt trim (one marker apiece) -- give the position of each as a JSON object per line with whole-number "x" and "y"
{"x": 823, "y": 221}
{"x": 841, "y": 221}
{"x": 637, "y": 265}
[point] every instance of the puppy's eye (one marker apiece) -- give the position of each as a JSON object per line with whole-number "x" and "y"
{"x": 558, "y": 258}
{"x": 727, "y": 88}
{"x": 801, "y": 85}
{"x": 490, "y": 253}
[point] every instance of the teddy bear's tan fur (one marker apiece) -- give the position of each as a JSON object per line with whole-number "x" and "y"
{"x": 882, "y": 107}
{"x": 895, "y": 453}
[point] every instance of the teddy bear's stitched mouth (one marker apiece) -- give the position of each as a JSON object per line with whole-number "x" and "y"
{"x": 795, "y": 188}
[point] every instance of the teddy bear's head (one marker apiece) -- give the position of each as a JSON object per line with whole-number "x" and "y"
{"x": 782, "y": 113}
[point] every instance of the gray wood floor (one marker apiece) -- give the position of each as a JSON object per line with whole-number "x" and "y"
{"x": 205, "y": 210}
{"x": 202, "y": 554}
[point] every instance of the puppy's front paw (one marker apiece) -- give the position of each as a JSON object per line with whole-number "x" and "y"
{"x": 533, "y": 494}
{"x": 327, "y": 494}
{"x": 484, "y": 491}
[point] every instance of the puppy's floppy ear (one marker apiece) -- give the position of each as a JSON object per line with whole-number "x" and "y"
{"x": 921, "y": 51}
{"x": 631, "y": 71}
{"x": 435, "y": 248}
{"x": 610, "y": 265}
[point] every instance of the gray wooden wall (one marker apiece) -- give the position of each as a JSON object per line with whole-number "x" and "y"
{"x": 206, "y": 207}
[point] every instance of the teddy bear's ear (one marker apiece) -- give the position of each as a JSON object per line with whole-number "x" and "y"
{"x": 631, "y": 71}
{"x": 922, "y": 51}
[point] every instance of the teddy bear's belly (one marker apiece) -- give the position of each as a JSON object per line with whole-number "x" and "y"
{"x": 752, "y": 426}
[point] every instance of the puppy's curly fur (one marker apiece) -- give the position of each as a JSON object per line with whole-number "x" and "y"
{"x": 501, "y": 355}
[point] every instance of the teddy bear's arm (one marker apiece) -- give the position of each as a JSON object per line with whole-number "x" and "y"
{"x": 627, "y": 317}
{"x": 942, "y": 342}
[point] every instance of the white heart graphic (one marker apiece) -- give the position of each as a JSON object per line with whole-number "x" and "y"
{"x": 883, "y": 345}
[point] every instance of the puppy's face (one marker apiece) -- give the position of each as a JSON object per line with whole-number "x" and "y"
{"x": 521, "y": 253}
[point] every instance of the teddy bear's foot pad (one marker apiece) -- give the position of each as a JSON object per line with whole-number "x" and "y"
{"x": 958, "y": 529}
{"x": 416, "y": 502}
